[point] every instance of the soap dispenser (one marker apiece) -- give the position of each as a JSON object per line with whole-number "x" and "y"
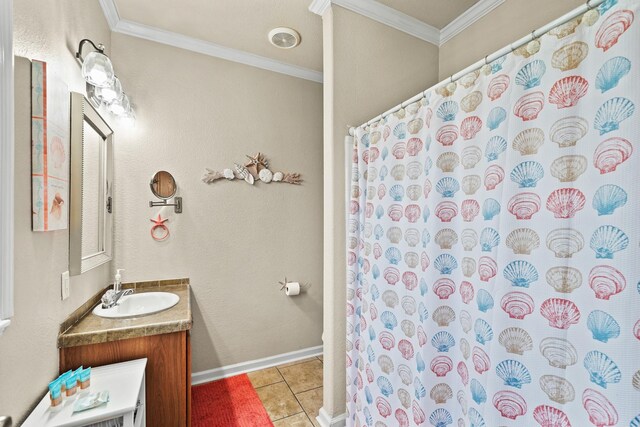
{"x": 117, "y": 284}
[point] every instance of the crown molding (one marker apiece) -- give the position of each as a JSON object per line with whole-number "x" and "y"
{"x": 319, "y": 7}
{"x": 158, "y": 35}
{"x": 392, "y": 18}
{"x": 368, "y": 8}
{"x": 110, "y": 12}
{"x": 408, "y": 24}
{"x": 473, "y": 14}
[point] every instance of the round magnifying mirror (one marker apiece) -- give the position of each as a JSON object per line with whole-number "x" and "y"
{"x": 163, "y": 186}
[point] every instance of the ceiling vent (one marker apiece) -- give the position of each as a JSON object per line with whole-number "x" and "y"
{"x": 284, "y": 38}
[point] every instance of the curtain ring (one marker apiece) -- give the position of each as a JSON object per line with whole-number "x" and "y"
{"x": 588, "y": 5}
{"x": 485, "y": 60}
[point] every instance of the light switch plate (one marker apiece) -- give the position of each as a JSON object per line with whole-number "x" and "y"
{"x": 65, "y": 285}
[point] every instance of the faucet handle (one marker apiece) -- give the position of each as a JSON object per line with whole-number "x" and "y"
{"x": 108, "y": 298}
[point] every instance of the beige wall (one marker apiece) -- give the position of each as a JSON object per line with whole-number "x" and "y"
{"x": 509, "y": 22}
{"x": 233, "y": 240}
{"x": 46, "y": 30}
{"x": 368, "y": 69}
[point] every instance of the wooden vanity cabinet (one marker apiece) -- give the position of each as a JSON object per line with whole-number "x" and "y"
{"x": 168, "y": 371}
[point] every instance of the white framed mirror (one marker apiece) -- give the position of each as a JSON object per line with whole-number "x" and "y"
{"x": 91, "y": 196}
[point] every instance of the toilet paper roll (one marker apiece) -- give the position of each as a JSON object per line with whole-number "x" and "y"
{"x": 292, "y": 288}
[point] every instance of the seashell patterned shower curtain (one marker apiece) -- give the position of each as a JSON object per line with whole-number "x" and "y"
{"x": 493, "y": 243}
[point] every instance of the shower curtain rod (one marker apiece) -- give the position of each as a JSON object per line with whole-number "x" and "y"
{"x": 590, "y": 4}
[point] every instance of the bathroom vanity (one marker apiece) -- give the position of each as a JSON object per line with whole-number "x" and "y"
{"x": 162, "y": 338}
{"x": 153, "y": 327}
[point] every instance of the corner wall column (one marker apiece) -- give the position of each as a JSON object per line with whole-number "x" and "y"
{"x": 332, "y": 413}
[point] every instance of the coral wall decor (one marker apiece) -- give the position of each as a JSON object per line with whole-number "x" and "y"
{"x": 256, "y": 169}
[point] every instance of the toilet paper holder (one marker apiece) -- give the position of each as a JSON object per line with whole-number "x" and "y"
{"x": 283, "y": 285}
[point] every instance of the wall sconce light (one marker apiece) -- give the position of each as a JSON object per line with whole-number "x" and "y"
{"x": 97, "y": 68}
{"x": 103, "y": 87}
{"x": 110, "y": 93}
{"x": 119, "y": 106}
{"x": 128, "y": 119}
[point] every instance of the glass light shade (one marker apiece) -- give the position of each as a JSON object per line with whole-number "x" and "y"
{"x": 120, "y": 106}
{"x": 128, "y": 118}
{"x": 97, "y": 69}
{"x": 110, "y": 93}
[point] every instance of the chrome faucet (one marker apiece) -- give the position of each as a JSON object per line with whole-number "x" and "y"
{"x": 111, "y": 297}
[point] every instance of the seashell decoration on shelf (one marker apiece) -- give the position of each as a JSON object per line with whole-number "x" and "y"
{"x": 256, "y": 169}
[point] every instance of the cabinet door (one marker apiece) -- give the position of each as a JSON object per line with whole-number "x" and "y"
{"x": 166, "y": 374}
{"x": 188, "y": 378}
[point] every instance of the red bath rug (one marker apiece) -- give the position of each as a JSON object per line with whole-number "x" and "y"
{"x": 230, "y": 402}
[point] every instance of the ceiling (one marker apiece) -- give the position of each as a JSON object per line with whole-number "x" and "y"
{"x": 437, "y": 13}
{"x": 238, "y": 24}
{"x": 244, "y": 24}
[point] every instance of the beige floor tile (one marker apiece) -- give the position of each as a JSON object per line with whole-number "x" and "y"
{"x": 303, "y": 376}
{"x": 278, "y": 401}
{"x": 298, "y": 420}
{"x": 311, "y": 402}
{"x": 297, "y": 362}
{"x": 264, "y": 377}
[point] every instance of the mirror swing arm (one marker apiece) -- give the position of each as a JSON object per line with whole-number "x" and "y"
{"x": 177, "y": 205}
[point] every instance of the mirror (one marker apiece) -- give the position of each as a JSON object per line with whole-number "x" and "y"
{"x": 91, "y": 206}
{"x": 163, "y": 186}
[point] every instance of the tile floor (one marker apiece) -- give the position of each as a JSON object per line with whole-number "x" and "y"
{"x": 291, "y": 393}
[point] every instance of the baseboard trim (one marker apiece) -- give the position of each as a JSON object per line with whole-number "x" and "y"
{"x": 253, "y": 365}
{"x": 325, "y": 420}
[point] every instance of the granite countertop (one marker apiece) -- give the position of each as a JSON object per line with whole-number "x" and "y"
{"x": 83, "y": 327}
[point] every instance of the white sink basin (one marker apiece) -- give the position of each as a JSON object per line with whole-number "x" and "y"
{"x": 139, "y": 305}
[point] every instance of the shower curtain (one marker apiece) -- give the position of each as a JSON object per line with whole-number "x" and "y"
{"x": 493, "y": 242}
